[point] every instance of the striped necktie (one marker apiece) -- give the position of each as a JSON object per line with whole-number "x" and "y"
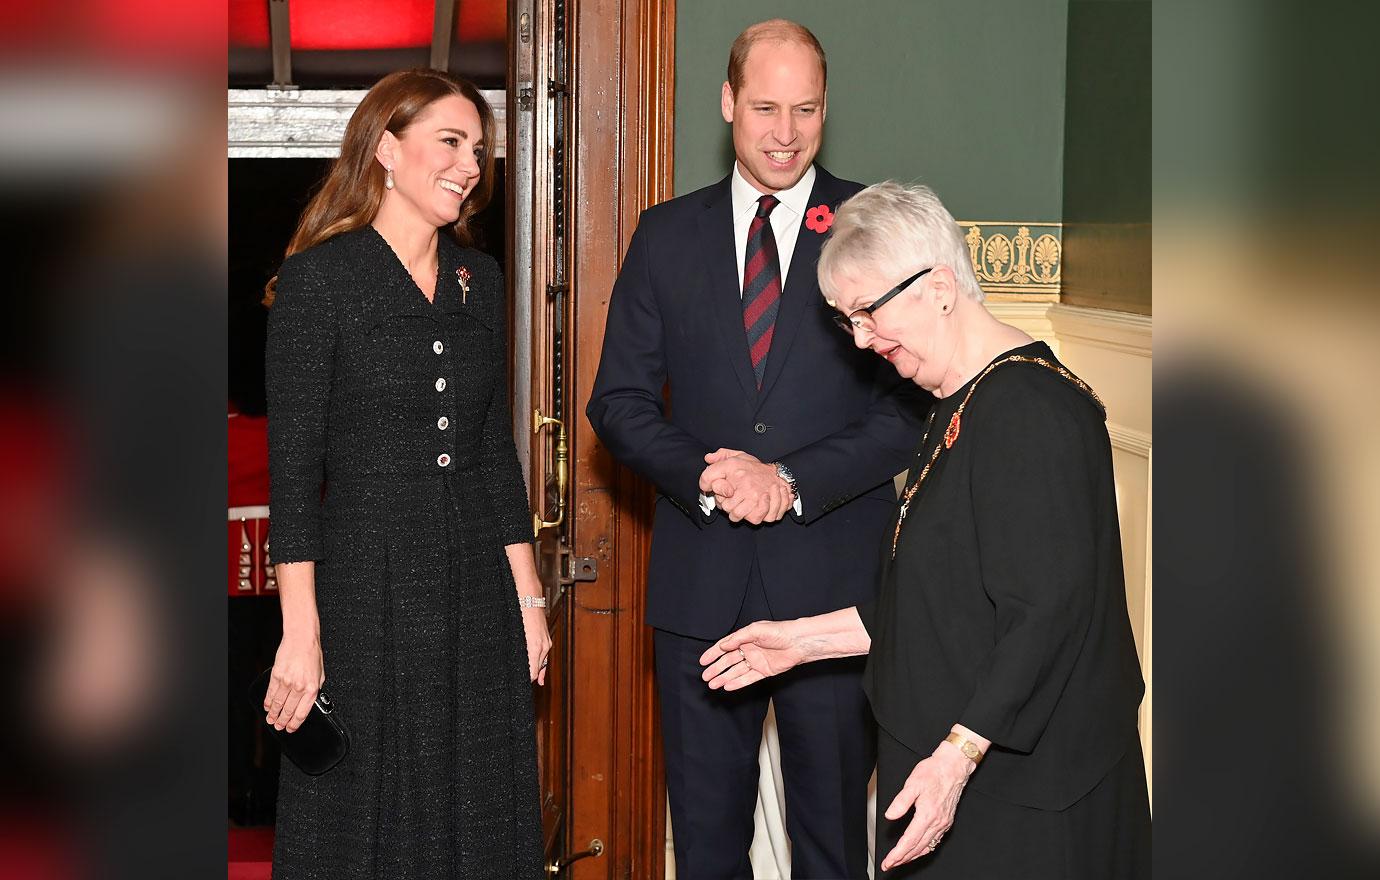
{"x": 761, "y": 286}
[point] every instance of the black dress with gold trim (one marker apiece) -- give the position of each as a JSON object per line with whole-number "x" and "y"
{"x": 1003, "y": 608}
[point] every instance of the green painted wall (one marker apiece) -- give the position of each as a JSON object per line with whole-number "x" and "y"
{"x": 1107, "y": 190}
{"x": 966, "y": 96}
{"x": 1107, "y": 111}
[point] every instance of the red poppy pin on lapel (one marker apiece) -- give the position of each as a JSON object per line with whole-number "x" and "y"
{"x": 819, "y": 219}
{"x": 463, "y": 274}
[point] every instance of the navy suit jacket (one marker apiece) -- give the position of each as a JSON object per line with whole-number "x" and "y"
{"x": 839, "y": 418}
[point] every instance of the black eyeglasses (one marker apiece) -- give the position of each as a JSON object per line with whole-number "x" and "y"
{"x": 861, "y": 319}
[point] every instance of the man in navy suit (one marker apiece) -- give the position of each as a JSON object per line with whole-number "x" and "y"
{"x": 773, "y": 463}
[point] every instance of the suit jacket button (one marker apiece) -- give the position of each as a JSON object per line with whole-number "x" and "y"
{"x": 760, "y": 428}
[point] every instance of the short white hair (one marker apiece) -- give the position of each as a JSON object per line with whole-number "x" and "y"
{"x": 895, "y": 229}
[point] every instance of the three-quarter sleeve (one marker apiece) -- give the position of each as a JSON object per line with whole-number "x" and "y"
{"x": 299, "y": 361}
{"x": 867, "y": 613}
{"x": 1034, "y": 511}
{"x": 498, "y": 457}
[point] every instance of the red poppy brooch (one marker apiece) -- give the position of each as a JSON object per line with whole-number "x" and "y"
{"x": 951, "y": 433}
{"x": 819, "y": 219}
{"x": 463, "y": 273}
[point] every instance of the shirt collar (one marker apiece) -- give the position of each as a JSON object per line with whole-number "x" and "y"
{"x": 796, "y": 199}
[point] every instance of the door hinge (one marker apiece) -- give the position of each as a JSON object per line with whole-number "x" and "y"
{"x": 525, "y": 96}
{"x": 580, "y": 569}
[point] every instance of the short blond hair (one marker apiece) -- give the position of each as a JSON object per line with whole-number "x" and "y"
{"x": 895, "y": 229}
{"x": 776, "y": 30}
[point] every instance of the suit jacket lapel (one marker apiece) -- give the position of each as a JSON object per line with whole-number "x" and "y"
{"x": 725, "y": 295}
{"x": 802, "y": 287}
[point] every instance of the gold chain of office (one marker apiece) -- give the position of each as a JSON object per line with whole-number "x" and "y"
{"x": 955, "y": 424}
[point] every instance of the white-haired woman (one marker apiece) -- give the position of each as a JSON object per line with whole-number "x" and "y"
{"x": 1000, "y": 636}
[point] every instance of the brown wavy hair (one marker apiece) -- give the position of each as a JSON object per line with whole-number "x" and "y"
{"x": 352, "y": 191}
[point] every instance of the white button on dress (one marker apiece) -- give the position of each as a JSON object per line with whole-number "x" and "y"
{"x": 443, "y": 423}
{"x": 441, "y": 384}
{"x": 443, "y": 459}
{"x": 437, "y": 347}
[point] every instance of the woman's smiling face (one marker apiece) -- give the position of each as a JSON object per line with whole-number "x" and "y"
{"x": 437, "y": 159}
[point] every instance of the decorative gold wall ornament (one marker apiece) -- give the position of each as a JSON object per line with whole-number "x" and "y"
{"x": 1026, "y": 262}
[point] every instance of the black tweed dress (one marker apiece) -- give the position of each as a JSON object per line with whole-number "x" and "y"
{"x": 398, "y": 407}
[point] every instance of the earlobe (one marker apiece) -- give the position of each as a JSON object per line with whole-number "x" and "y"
{"x": 944, "y": 288}
{"x": 384, "y": 152}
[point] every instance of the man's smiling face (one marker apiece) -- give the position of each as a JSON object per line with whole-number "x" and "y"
{"x": 777, "y": 114}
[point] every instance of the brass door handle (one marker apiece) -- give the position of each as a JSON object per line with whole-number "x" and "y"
{"x": 540, "y": 421}
{"x": 596, "y": 848}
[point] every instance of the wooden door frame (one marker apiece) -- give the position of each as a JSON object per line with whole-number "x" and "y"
{"x": 624, "y": 54}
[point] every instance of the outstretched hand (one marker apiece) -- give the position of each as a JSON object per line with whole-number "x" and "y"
{"x": 751, "y": 654}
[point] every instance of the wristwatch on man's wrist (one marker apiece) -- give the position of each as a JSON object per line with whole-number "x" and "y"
{"x": 785, "y": 473}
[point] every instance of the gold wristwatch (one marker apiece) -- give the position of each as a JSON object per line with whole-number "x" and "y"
{"x": 966, "y": 746}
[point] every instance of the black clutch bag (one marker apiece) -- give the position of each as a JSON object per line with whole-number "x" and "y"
{"x": 321, "y": 741}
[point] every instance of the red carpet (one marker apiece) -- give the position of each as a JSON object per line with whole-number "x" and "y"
{"x": 251, "y": 854}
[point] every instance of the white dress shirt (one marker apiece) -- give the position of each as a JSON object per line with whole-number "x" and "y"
{"x": 785, "y": 220}
{"x": 785, "y": 217}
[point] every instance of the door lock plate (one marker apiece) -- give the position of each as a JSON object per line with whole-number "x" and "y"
{"x": 582, "y": 569}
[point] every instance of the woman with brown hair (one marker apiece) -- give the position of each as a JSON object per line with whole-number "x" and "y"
{"x": 400, "y": 524}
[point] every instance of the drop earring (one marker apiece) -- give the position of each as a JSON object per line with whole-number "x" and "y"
{"x": 388, "y": 179}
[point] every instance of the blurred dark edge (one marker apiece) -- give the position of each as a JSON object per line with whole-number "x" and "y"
{"x": 1264, "y": 133}
{"x": 112, "y": 406}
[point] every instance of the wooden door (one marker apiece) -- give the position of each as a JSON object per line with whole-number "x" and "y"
{"x": 541, "y": 398}
{"x": 589, "y": 148}
{"x": 622, "y": 164}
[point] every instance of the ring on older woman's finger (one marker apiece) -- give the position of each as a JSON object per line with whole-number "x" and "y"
{"x": 543, "y": 662}
{"x": 934, "y": 843}
{"x": 744, "y": 659}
